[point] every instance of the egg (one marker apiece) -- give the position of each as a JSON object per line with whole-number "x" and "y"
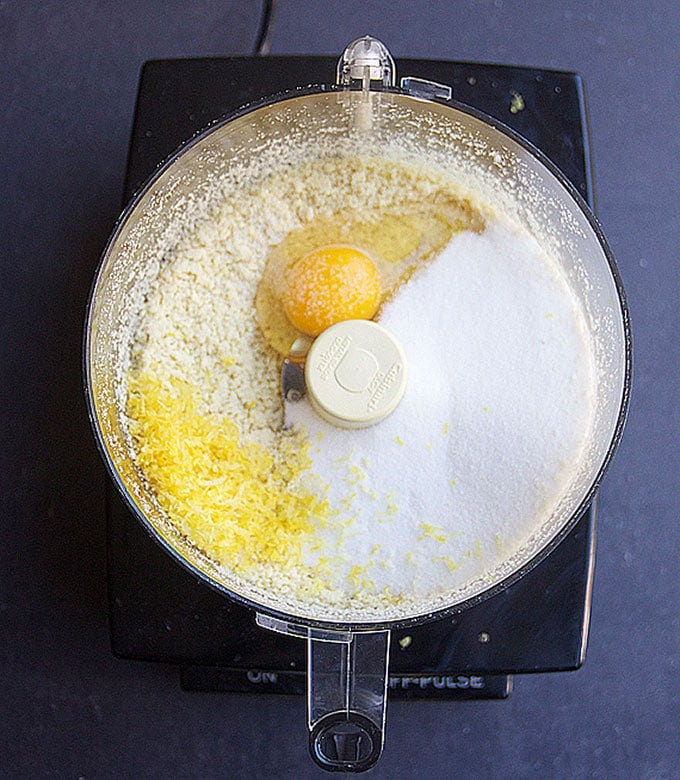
{"x": 347, "y": 265}
{"x": 329, "y": 285}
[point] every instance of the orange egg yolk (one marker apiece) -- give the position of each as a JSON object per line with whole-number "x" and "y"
{"x": 329, "y": 285}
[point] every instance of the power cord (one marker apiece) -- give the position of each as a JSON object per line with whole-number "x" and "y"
{"x": 263, "y": 41}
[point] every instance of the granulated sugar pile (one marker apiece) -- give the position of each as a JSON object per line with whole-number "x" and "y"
{"x": 389, "y": 520}
{"x": 488, "y": 434}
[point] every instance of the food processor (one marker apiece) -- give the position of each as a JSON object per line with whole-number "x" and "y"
{"x": 348, "y": 672}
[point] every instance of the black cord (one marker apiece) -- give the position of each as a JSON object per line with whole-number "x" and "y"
{"x": 263, "y": 42}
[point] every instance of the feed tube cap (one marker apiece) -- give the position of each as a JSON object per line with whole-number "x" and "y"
{"x": 356, "y": 373}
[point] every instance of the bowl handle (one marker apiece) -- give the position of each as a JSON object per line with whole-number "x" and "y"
{"x": 347, "y": 675}
{"x": 346, "y": 696}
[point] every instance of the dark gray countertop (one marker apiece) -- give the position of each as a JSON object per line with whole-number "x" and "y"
{"x": 68, "y": 78}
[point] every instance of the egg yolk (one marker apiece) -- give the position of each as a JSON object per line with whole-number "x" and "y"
{"x": 329, "y": 285}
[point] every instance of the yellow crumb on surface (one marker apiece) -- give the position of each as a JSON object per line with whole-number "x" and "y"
{"x": 357, "y": 578}
{"x": 516, "y": 102}
{"x": 399, "y": 441}
{"x": 232, "y": 498}
{"x": 343, "y": 458}
{"x": 370, "y": 492}
{"x": 448, "y": 561}
{"x": 346, "y": 501}
{"x": 432, "y": 532}
{"x": 358, "y": 475}
{"x": 323, "y": 567}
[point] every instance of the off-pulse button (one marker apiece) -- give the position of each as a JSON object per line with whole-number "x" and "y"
{"x": 355, "y": 373}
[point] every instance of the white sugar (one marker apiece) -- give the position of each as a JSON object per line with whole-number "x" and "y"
{"x": 487, "y": 437}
